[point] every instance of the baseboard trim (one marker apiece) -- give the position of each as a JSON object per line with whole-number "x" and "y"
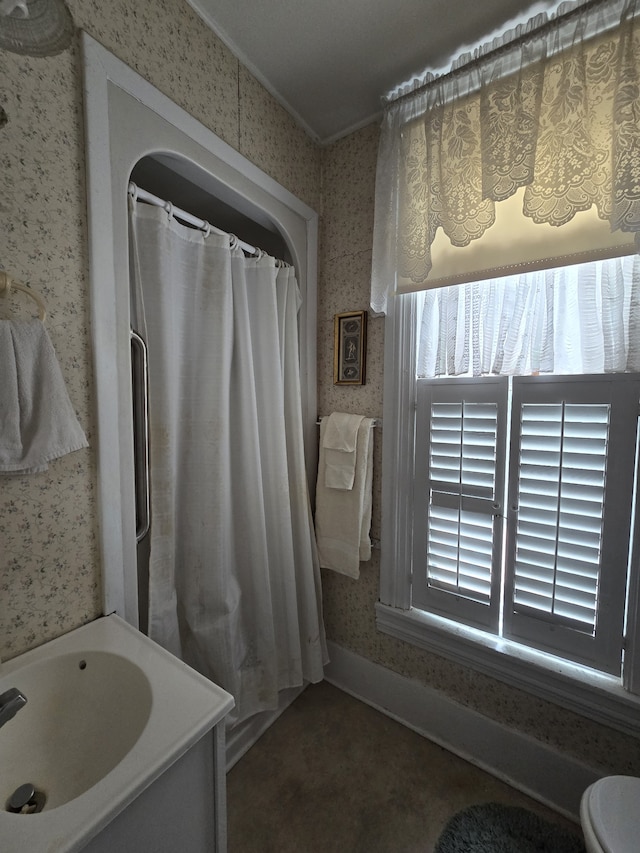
{"x": 242, "y": 737}
{"x": 549, "y": 776}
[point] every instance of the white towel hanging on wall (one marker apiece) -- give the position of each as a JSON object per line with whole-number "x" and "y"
{"x": 37, "y": 420}
{"x": 339, "y": 442}
{"x": 343, "y": 516}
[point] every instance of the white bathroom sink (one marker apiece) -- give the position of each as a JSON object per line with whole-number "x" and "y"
{"x": 107, "y": 712}
{"x": 57, "y": 741}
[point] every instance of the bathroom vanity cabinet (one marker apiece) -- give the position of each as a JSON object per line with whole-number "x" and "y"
{"x": 183, "y": 810}
{"x": 125, "y": 743}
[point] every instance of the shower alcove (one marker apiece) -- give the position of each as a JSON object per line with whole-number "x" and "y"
{"x": 134, "y": 132}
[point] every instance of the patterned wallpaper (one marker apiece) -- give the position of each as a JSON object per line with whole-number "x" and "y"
{"x": 49, "y": 561}
{"x": 348, "y": 175}
{"x": 49, "y": 564}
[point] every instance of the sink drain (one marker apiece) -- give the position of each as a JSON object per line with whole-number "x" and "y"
{"x": 26, "y": 800}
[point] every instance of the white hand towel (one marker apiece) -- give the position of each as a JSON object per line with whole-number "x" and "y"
{"x": 37, "y": 420}
{"x": 339, "y": 442}
{"x": 343, "y": 517}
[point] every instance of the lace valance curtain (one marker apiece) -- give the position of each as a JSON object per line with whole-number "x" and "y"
{"x": 551, "y": 123}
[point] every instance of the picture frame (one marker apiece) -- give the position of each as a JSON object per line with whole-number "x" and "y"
{"x": 350, "y": 348}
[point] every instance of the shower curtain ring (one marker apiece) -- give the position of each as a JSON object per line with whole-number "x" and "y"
{"x": 169, "y": 208}
{"x": 206, "y": 229}
{"x": 233, "y": 241}
{"x": 133, "y": 190}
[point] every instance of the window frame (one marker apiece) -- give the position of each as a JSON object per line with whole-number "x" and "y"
{"x": 603, "y": 698}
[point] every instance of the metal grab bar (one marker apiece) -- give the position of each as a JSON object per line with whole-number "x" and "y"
{"x": 140, "y": 389}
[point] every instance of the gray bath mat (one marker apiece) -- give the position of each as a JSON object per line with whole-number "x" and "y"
{"x": 494, "y": 828}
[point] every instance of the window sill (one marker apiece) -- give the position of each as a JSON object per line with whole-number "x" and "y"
{"x": 591, "y": 694}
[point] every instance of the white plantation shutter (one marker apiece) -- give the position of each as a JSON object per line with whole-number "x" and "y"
{"x": 560, "y": 585}
{"x": 571, "y": 491}
{"x": 561, "y": 490}
{"x": 459, "y": 478}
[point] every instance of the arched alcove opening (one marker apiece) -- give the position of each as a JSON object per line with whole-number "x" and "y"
{"x": 134, "y": 131}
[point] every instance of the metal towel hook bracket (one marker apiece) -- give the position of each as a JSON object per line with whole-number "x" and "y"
{"x": 7, "y": 283}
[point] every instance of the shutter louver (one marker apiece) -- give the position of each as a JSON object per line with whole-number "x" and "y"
{"x": 571, "y": 485}
{"x": 463, "y": 446}
{"x": 562, "y": 464}
{"x": 459, "y": 552}
{"x": 460, "y": 481}
{"x": 462, "y": 464}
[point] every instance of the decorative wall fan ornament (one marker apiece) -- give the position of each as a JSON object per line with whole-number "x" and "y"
{"x": 35, "y": 27}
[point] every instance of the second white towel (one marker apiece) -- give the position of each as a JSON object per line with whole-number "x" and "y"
{"x": 343, "y": 516}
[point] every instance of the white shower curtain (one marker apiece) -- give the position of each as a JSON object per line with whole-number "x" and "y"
{"x": 234, "y": 575}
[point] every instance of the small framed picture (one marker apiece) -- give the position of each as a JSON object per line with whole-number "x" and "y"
{"x": 350, "y": 348}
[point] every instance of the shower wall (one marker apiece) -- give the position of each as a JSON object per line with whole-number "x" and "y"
{"x": 50, "y": 576}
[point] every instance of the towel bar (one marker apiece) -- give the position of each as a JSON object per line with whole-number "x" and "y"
{"x": 377, "y": 422}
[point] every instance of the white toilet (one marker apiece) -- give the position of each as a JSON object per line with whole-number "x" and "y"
{"x": 610, "y": 815}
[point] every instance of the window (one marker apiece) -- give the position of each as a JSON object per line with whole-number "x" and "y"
{"x": 508, "y": 523}
{"x": 484, "y": 171}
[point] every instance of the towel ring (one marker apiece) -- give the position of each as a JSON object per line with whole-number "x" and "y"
{"x": 6, "y": 283}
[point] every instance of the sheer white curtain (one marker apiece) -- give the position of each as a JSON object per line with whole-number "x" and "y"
{"x": 234, "y": 575}
{"x": 578, "y": 319}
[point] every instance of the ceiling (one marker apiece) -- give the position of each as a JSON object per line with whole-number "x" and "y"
{"x": 328, "y": 62}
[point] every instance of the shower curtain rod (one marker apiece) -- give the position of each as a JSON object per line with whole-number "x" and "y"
{"x": 138, "y": 194}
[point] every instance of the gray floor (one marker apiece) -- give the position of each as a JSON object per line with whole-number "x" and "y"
{"x": 333, "y": 774}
